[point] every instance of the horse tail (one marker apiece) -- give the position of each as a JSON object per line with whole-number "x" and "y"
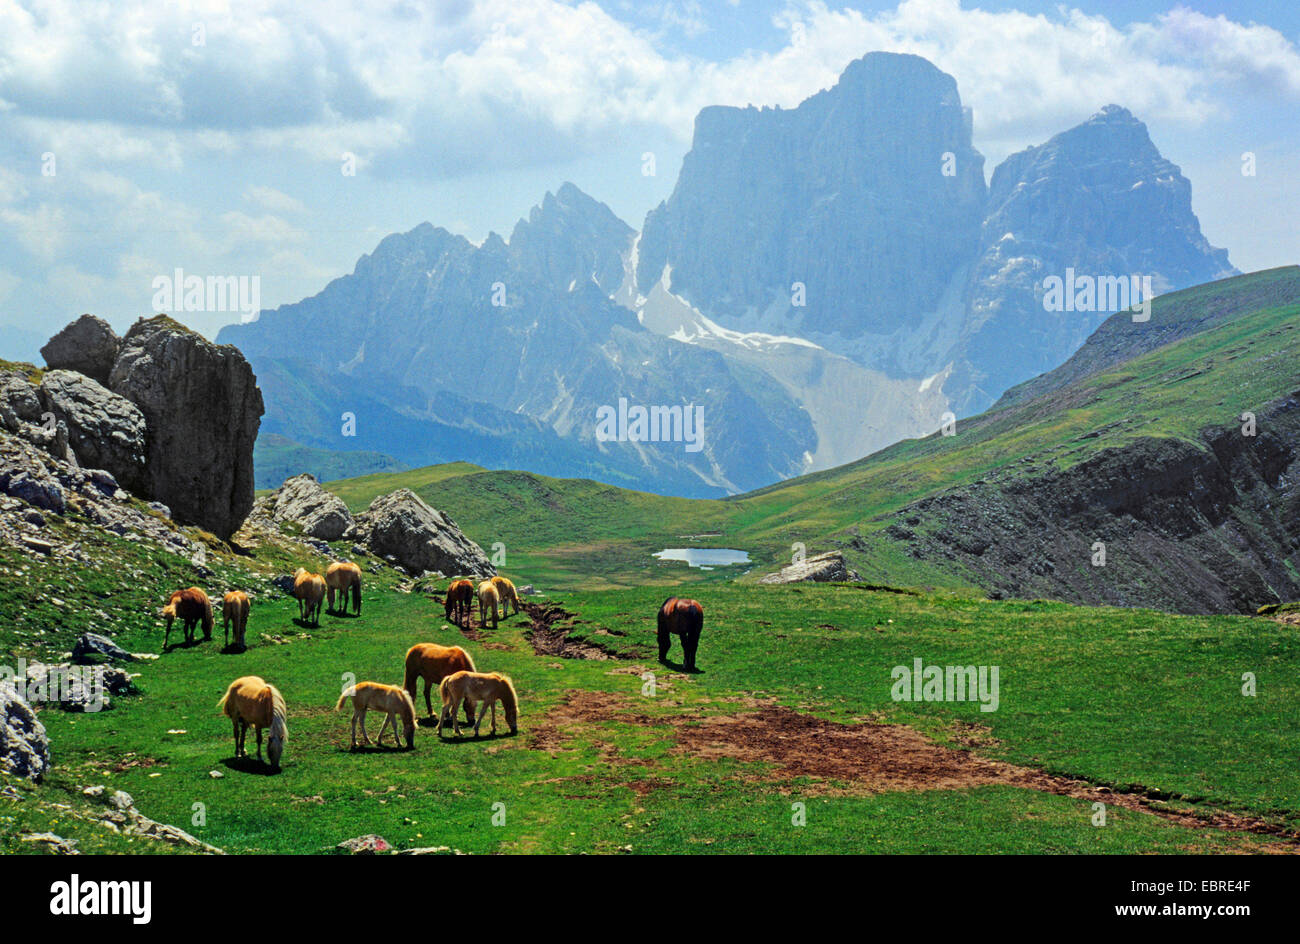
{"x": 695, "y": 616}
{"x": 348, "y": 693}
{"x": 412, "y": 671}
{"x": 208, "y": 621}
{"x": 356, "y": 592}
{"x": 469, "y": 659}
{"x": 226, "y": 697}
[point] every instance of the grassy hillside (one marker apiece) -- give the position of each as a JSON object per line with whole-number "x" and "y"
{"x": 1223, "y": 361}
{"x": 276, "y": 458}
{"x": 1137, "y": 710}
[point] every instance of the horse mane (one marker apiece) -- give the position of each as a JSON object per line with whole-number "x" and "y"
{"x": 408, "y": 708}
{"x": 279, "y": 723}
{"x": 508, "y": 698}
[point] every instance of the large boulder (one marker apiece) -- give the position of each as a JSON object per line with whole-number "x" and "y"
{"x": 24, "y": 748}
{"x": 401, "y": 526}
{"x": 105, "y": 431}
{"x": 321, "y": 514}
{"x": 88, "y": 346}
{"x": 821, "y": 568}
{"x": 202, "y": 409}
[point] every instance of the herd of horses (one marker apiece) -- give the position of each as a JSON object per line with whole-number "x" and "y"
{"x": 252, "y": 702}
{"x": 496, "y": 596}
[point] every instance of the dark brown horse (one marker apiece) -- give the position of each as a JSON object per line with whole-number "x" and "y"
{"x": 192, "y": 607}
{"x": 686, "y": 619}
{"x": 460, "y": 596}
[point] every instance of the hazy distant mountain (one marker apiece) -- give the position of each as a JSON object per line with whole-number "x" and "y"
{"x": 527, "y": 330}
{"x": 1098, "y": 199}
{"x": 871, "y": 195}
{"x": 823, "y": 281}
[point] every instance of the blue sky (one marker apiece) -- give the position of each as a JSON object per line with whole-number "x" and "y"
{"x": 211, "y": 136}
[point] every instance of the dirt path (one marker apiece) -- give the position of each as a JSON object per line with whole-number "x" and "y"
{"x": 862, "y": 758}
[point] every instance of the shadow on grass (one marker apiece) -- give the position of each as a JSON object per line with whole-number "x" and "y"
{"x": 251, "y": 765}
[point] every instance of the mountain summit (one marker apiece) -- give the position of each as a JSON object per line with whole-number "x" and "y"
{"x": 823, "y": 280}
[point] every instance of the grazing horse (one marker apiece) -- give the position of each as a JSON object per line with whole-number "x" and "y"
{"x": 234, "y": 609}
{"x": 344, "y": 576}
{"x": 192, "y": 607}
{"x": 390, "y": 699}
{"x": 506, "y": 591}
{"x": 250, "y": 701}
{"x": 483, "y": 688}
{"x": 433, "y": 663}
{"x": 686, "y": 619}
{"x": 460, "y": 597}
{"x": 310, "y": 591}
{"x": 488, "y": 597}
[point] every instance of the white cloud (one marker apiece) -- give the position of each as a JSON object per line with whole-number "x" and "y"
{"x": 457, "y": 85}
{"x": 150, "y": 130}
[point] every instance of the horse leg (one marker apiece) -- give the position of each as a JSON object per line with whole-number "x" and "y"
{"x": 428, "y": 702}
{"x": 494, "y": 717}
{"x": 469, "y": 710}
{"x": 383, "y": 728}
{"x": 365, "y": 738}
{"x": 482, "y": 713}
{"x": 455, "y": 706}
{"x": 690, "y": 642}
{"x": 665, "y": 642}
{"x": 259, "y": 742}
{"x": 354, "y": 729}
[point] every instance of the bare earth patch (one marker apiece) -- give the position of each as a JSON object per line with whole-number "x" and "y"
{"x": 860, "y": 758}
{"x": 549, "y": 634}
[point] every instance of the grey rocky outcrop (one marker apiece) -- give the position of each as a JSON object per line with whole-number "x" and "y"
{"x": 88, "y": 346}
{"x": 202, "y": 409}
{"x": 105, "y": 431}
{"x": 821, "y": 568}
{"x": 24, "y": 748}
{"x": 120, "y": 814}
{"x": 92, "y": 647}
{"x": 321, "y": 513}
{"x": 401, "y": 526}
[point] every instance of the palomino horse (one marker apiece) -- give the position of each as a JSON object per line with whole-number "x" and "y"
{"x": 686, "y": 619}
{"x": 234, "y": 609}
{"x": 488, "y": 598}
{"x": 460, "y": 597}
{"x": 344, "y": 576}
{"x": 481, "y": 688}
{"x": 506, "y": 591}
{"x": 391, "y": 700}
{"x": 192, "y": 607}
{"x": 310, "y": 591}
{"x": 433, "y": 663}
{"x": 250, "y": 701}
